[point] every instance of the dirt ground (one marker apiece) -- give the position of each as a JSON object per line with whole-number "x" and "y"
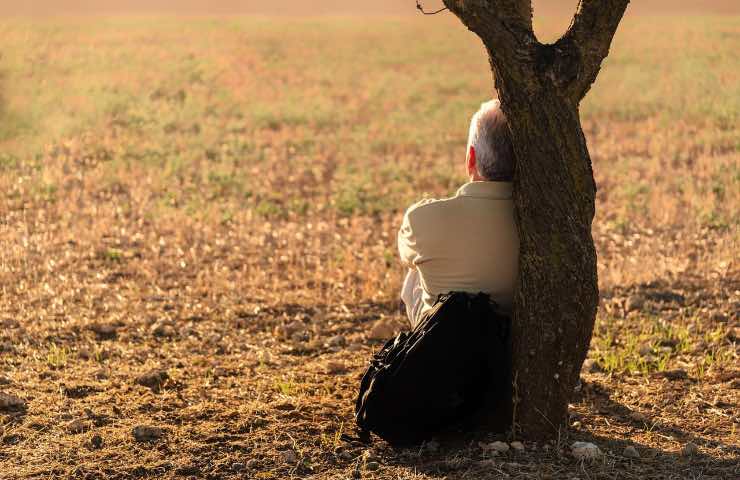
{"x": 197, "y": 247}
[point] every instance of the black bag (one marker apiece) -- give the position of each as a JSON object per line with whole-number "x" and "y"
{"x": 453, "y": 363}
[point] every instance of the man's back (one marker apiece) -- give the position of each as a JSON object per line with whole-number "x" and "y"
{"x": 465, "y": 243}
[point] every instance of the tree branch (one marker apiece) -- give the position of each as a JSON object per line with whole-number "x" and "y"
{"x": 587, "y": 42}
{"x": 420, "y": 8}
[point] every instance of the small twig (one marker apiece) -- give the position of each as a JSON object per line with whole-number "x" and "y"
{"x": 420, "y": 7}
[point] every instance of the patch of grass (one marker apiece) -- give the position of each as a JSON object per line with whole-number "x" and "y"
{"x": 57, "y": 357}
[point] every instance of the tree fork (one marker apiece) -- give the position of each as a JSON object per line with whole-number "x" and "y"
{"x": 540, "y": 87}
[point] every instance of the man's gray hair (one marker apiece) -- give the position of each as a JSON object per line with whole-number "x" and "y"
{"x": 490, "y": 136}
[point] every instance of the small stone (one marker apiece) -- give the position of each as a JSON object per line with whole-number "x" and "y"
{"x": 585, "y": 451}
{"x": 77, "y": 426}
{"x": 431, "y": 446}
{"x": 499, "y": 446}
{"x": 11, "y": 402}
{"x": 288, "y": 456}
{"x": 639, "y": 417}
{"x": 5, "y": 381}
{"x": 345, "y": 455}
{"x": 645, "y": 350}
{"x": 153, "y": 379}
{"x": 291, "y": 328}
{"x": 335, "y": 367}
{"x": 300, "y": 336}
{"x": 355, "y": 347}
{"x": 631, "y": 452}
{"x": 673, "y": 375}
{"x": 382, "y": 330}
{"x": 689, "y": 449}
{"x": 633, "y": 303}
{"x": 591, "y": 366}
{"x": 285, "y": 406}
{"x": 104, "y": 331}
{"x": 237, "y": 466}
{"x": 252, "y": 463}
{"x": 147, "y": 433}
{"x": 337, "y": 341}
{"x": 162, "y": 330}
{"x": 372, "y": 466}
{"x": 517, "y": 446}
{"x": 96, "y": 441}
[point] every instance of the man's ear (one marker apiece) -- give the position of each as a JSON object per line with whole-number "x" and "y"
{"x": 472, "y": 166}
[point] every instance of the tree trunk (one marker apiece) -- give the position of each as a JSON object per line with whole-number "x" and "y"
{"x": 540, "y": 87}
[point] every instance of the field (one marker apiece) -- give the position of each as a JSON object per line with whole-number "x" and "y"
{"x": 197, "y": 235}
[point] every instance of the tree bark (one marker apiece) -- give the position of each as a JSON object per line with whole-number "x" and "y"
{"x": 540, "y": 87}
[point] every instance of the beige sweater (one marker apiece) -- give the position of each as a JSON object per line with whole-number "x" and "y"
{"x": 465, "y": 243}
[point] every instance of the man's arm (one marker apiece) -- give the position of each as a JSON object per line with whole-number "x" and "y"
{"x": 409, "y": 247}
{"x": 407, "y": 243}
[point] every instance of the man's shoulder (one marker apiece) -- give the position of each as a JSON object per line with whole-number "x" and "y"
{"x": 426, "y": 208}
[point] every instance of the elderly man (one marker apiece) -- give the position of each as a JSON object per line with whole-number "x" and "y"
{"x": 468, "y": 242}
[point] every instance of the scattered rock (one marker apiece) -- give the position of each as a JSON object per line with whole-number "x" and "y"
{"x": 162, "y": 329}
{"x": 345, "y": 455}
{"x": 690, "y": 449}
{"x": 431, "y": 446}
{"x": 355, "y": 347}
{"x": 631, "y": 452}
{"x": 633, "y": 303}
{"x": 5, "y": 381}
{"x": 369, "y": 456}
{"x": 639, "y": 417}
{"x": 494, "y": 447}
{"x": 337, "y": 341}
{"x": 335, "y": 367}
{"x": 288, "y": 456}
{"x": 11, "y": 402}
{"x": 585, "y": 451}
{"x": 673, "y": 374}
{"x": 646, "y": 349}
{"x": 382, "y": 330}
{"x": 147, "y": 433}
{"x": 96, "y": 441}
{"x": 591, "y": 366}
{"x": 499, "y": 446}
{"x": 187, "y": 471}
{"x": 300, "y": 336}
{"x": 77, "y": 426}
{"x": 252, "y": 463}
{"x": 285, "y": 406}
{"x": 11, "y": 439}
{"x": 237, "y": 466}
{"x": 372, "y": 466}
{"x": 78, "y": 391}
{"x": 517, "y": 446}
{"x": 153, "y": 379}
{"x": 291, "y": 328}
{"x": 104, "y": 331}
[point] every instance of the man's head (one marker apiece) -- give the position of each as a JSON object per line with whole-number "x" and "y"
{"x": 490, "y": 154}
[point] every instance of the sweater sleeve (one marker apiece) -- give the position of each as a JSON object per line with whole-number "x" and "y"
{"x": 408, "y": 237}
